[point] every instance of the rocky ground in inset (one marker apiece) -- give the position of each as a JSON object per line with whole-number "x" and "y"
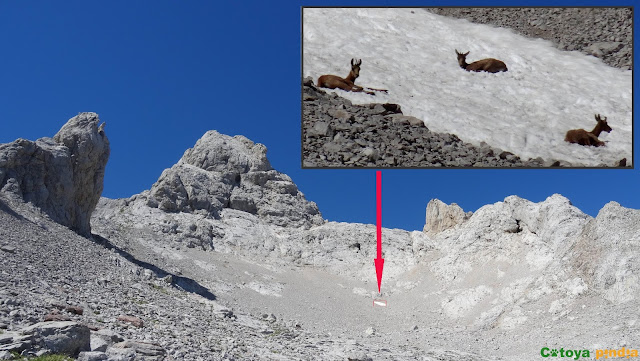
{"x": 337, "y": 133}
{"x": 606, "y": 33}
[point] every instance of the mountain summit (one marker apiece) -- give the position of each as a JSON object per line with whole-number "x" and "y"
{"x": 231, "y": 172}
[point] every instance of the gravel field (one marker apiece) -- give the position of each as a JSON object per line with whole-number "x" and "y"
{"x": 338, "y": 133}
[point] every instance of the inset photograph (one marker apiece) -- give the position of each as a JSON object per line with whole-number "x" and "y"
{"x": 467, "y": 87}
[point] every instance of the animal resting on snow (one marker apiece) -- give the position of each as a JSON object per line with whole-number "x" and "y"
{"x": 490, "y": 65}
{"x": 334, "y": 81}
{"x": 583, "y": 137}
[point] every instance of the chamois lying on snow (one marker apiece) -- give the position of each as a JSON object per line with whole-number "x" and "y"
{"x": 489, "y": 65}
{"x": 334, "y": 81}
{"x": 583, "y": 137}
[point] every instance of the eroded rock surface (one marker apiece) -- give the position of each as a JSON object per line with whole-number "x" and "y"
{"x": 606, "y": 251}
{"x": 441, "y": 216}
{"x": 232, "y": 172}
{"x": 63, "y": 337}
{"x": 62, "y": 175}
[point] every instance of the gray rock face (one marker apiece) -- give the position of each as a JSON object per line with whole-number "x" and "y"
{"x": 441, "y": 216}
{"x": 145, "y": 349}
{"x": 65, "y": 337}
{"x": 62, "y": 175}
{"x": 92, "y": 356}
{"x": 232, "y": 172}
{"x": 606, "y": 251}
{"x": 511, "y": 269}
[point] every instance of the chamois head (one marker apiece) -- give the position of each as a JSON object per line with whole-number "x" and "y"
{"x": 462, "y": 59}
{"x": 582, "y": 137}
{"x": 355, "y": 69}
{"x": 489, "y": 65}
{"x": 602, "y": 123}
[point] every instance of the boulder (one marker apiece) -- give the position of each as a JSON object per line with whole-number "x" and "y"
{"x": 441, "y": 216}
{"x": 603, "y": 48}
{"x": 66, "y": 337}
{"x": 56, "y": 317}
{"x": 108, "y": 335}
{"x": 148, "y": 350}
{"x": 62, "y": 175}
{"x": 99, "y": 344}
{"x": 92, "y": 356}
{"x": 132, "y": 320}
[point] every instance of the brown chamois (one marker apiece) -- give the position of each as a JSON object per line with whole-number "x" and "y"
{"x": 583, "y": 137}
{"x": 489, "y": 65}
{"x": 334, "y": 81}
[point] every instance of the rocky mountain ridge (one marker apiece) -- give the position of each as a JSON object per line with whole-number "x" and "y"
{"x": 499, "y": 270}
{"x": 493, "y": 269}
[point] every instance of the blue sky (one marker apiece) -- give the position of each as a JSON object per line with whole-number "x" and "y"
{"x": 161, "y": 74}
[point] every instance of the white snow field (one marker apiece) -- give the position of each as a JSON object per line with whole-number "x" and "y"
{"x": 526, "y": 110}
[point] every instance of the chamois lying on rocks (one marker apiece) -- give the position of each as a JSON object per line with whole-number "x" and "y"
{"x": 583, "y": 137}
{"x": 334, "y": 81}
{"x": 489, "y": 65}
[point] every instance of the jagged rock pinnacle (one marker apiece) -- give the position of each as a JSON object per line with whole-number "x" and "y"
{"x": 441, "y": 216}
{"x": 62, "y": 175}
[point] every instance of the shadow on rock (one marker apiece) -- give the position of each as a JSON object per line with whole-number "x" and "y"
{"x": 184, "y": 283}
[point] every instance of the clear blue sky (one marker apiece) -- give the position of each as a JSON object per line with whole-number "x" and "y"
{"x": 162, "y": 73}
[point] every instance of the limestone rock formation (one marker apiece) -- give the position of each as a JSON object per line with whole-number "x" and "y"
{"x": 606, "y": 253}
{"x": 231, "y": 172}
{"x": 441, "y": 216}
{"x": 62, "y": 175}
{"x": 513, "y": 268}
{"x": 65, "y": 337}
